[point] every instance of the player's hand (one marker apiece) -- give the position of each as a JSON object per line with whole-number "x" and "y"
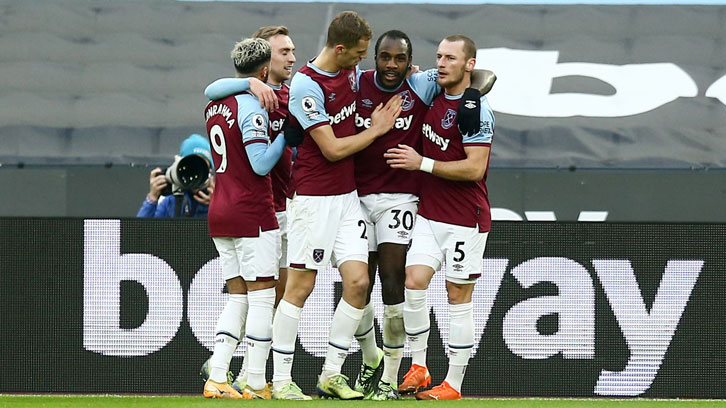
{"x": 157, "y": 182}
{"x": 403, "y": 157}
{"x": 292, "y": 131}
{"x": 205, "y": 197}
{"x": 264, "y": 93}
{"x": 412, "y": 69}
{"x": 468, "y": 116}
{"x": 384, "y": 117}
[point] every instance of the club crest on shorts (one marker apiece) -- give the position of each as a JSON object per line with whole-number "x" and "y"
{"x": 448, "y": 120}
{"x": 318, "y": 255}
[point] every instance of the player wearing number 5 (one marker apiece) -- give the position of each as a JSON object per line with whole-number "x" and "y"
{"x": 453, "y": 219}
{"x": 243, "y": 225}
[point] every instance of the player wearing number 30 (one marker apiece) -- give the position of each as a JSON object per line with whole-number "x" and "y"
{"x": 453, "y": 219}
{"x": 243, "y": 225}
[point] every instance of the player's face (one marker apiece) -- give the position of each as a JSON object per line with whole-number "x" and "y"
{"x": 392, "y": 62}
{"x": 283, "y": 58}
{"x": 451, "y": 63}
{"x": 350, "y": 57}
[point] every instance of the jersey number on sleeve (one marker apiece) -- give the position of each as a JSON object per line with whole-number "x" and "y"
{"x": 219, "y": 145}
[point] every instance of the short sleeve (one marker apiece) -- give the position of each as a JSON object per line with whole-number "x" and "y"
{"x": 424, "y": 85}
{"x": 307, "y": 102}
{"x": 253, "y": 120}
{"x": 486, "y": 133}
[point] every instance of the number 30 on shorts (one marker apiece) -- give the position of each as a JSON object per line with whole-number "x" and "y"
{"x": 406, "y": 220}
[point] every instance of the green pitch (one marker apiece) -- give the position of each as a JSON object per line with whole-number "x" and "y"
{"x": 55, "y": 401}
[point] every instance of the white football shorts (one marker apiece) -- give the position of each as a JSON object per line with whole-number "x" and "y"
{"x": 252, "y": 258}
{"x": 390, "y": 218}
{"x": 282, "y": 222}
{"x": 323, "y": 229}
{"x": 461, "y": 248}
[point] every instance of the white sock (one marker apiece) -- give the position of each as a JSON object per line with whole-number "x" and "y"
{"x": 366, "y": 336}
{"x": 345, "y": 320}
{"x": 229, "y": 330}
{"x": 284, "y": 333}
{"x": 242, "y": 376}
{"x": 394, "y": 336}
{"x": 259, "y": 335}
{"x": 461, "y": 340}
{"x": 417, "y": 323}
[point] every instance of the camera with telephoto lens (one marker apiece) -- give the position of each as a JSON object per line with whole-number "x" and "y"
{"x": 185, "y": 174}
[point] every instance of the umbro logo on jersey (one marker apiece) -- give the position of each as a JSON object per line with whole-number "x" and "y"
{"x": 367, "y": 103}
{"x": 331, "y": 97}
{"x": 469, "y": 104}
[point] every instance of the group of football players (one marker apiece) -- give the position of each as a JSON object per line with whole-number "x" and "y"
{"x": 379, "y": 171}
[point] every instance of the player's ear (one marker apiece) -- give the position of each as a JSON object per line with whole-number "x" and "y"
{"x": 339, "y": 49}
{"x": 470, "y": 64}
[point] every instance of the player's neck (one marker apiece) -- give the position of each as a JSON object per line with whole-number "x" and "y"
{"x": 274, "y": 82}
{"x": 326, "y": 60}
{"x": 459, "y": 87}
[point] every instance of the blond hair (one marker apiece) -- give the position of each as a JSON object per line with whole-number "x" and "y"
{"x": 250, "y": 54}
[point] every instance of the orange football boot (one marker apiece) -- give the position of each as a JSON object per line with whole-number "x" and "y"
{"x": 440, "y": 392}
{"x": 417, "y": 377}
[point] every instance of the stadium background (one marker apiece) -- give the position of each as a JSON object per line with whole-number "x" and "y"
{"x": 94, "y": 94}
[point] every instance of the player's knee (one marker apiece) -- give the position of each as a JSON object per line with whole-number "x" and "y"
{"x": 357, "y": 285}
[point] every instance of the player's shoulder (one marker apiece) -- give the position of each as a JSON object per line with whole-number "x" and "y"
{"x": 248, "y": 101}
{"x": 301, "y": 81}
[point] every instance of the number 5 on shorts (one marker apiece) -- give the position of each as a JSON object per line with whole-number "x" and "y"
{"x": 459, "y": 252}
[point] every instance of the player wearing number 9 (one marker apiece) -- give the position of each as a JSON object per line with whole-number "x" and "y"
{"x": 243, "y": 225}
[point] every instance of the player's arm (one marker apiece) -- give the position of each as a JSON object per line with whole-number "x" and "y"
{"x": 262, "y": 157}
{"x": 382, "y": 120}
{"x": 472, "y": 168}
{"x": 225, "y": 87}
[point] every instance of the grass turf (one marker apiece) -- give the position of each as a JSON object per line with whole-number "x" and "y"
{"x": 74, "y": 401}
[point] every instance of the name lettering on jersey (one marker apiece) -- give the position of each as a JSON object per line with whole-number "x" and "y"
{"x": 486, "y": 127}
{"x": 276, "y": 125}
{"x": 220, "y": 109}
{"x": 344, "y": 114}
{"x": 428, "y": 131}
{"x": 400, "y": 124}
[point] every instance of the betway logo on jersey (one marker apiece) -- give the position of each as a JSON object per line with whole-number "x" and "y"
{"x": 344, "y": 114}
{"x": 401, "y": 123}
{"x": 276, "y": 125}
{"x": 428, "y": 131}
{"x": 220, "y": 109}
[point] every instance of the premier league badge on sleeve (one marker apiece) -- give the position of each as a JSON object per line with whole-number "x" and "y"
{"x": 318, "y": 255}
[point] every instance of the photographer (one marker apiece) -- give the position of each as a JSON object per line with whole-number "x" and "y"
{"x": 161, "y": 203}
